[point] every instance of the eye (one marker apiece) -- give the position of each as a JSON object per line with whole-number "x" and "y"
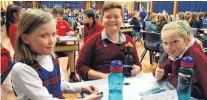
{"x": 44, "y": 36}
{"x": 108, "y": 17}
{"x": 175, "y": 41}
{"x": 165, "y": 43}
{"x": 54, "y": 34}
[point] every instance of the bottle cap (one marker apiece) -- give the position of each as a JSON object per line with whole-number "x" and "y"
{"x": 116, "y": 66}
{"x": 187, "y": 61}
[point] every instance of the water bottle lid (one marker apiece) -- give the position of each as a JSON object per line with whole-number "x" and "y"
{"x": 187, "y": 61}
{"x": 116, "y": 63}
{"x": 116, "y": 66}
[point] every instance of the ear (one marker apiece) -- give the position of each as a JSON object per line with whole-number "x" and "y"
{"x": 25, "y": 38}
{"x": 15, "y": 15}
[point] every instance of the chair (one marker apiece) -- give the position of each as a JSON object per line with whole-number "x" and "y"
{"x": 138, "y": 37}
{"x": 152, "y": 42}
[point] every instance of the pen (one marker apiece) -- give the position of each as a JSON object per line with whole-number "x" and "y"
{"x": 158, "y": 91}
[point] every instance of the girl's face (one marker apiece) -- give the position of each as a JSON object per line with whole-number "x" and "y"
{"x": 112, "y": 20}
{"x": 173, "y": 44}
{"x": 87, "y": 19}
{"x": 17, "y": 15}
{"x": 42, "y": 40}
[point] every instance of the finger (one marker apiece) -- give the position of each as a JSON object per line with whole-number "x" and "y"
{"x": 160, "y": 70}
{"x": 94, "y": 89}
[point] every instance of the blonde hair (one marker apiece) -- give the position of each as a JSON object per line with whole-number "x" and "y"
{"x": 185, "y": 31}
{"x": 30, "y": 20}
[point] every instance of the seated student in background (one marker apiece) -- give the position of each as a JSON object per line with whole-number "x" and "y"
{"x": 91, "y": 26}
{"x": 13, "y": 14}
{"x": 135, "y": 21}
{"x": 180, "y": 16}
{"x": 157, "y": 24}
{"x": 178, "y": 42}
{"x": 194, "y": 21}
{"x": 102, "y": 48}
{"x": 36, "y": 74}
{"x": 64, "y": 29}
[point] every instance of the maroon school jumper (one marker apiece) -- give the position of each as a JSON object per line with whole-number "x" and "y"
{"x": 199, "y": 85}
{"x": 97, "y": 54}
{"x": 95, "y": 28}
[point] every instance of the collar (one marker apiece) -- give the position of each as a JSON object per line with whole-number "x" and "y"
{"x": 104, "y": 36}
{"x": 189, "y": 45}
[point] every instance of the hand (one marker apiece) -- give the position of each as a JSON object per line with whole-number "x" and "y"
{"x": 89, "y": 89}
{"x": 136, "y": 70}
{"x": 159, "y": 73}
{"x": 71, "y": 33}
{"x": 95, "y": 96}
{"x": 105, "y": 76}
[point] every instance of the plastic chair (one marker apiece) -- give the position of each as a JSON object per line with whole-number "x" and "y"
{"x": 152, "y": 43}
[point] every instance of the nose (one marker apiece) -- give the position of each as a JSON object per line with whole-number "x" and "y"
{"x": 112, "y": 19}
{"x": 52, "y": 39}
{"x": 168, "y": 46}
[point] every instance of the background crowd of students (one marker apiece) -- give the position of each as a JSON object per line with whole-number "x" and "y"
{"x": 101, "y": 35}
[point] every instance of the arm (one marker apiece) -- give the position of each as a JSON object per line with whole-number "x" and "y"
{"x": 67, "y": 87}
{"x": 85, "y": 59}
{"x": 27, "y": 82}
{"x": 200, "y": 63}
{"x": 69, "y": 29}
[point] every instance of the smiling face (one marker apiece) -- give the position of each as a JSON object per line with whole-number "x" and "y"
{"x": 42, "y": 40}
{"x": 112, "y": 20}
{"x": 173, "y": 43}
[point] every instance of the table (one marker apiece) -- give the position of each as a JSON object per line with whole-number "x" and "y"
{"x": 70, "y": 47}
{"x": 140, "y": 83}
{"x": 126, "y": 28}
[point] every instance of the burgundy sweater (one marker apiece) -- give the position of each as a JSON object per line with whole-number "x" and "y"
{"x": 199, "y": 84}
{"x": 97, "y": 54}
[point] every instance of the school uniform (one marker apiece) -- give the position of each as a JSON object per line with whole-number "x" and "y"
{"x": 12, "y": 34}
{"x": 89, "y": 31}
{"x": 199, "y": 84}
{"x": 63, "y": 27}
{"x": 41, "y": 80}
{"x": 99, "y": 51}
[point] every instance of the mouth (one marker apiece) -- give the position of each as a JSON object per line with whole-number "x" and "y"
{"x": 171, "y": 52}
{"x": 49, "y": 47}
{"x": 112, "y": 24}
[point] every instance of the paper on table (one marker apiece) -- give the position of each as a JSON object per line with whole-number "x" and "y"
{"x": 68, "y": 38}
{"x": 168, "y": 95}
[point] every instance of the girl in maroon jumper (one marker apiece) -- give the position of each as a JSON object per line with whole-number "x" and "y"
{"x": 102, "y": 48}
{"x": 178, "y": 41}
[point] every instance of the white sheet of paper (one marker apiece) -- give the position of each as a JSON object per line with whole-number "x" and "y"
{"x": 68, "y": 38}
{"x": 168, "y": 95}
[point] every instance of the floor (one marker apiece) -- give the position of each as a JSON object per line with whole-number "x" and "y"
{"x": 146, "y": 66}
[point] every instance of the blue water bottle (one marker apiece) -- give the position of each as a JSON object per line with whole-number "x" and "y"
{"x": 185, "y": 76}
{"x": 116, "y": 81}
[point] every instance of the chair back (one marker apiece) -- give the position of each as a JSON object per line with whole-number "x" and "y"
{"x": 152, "y": 41}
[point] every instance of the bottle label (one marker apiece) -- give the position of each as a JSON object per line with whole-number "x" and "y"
{"x": 184, "y": 75}
{"x": 184, "y": 81}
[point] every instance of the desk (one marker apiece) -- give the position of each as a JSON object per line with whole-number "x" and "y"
{"x": 71, "y": 47}
{"x": 140, "y": 83}
{"x": 126, "y": 28}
